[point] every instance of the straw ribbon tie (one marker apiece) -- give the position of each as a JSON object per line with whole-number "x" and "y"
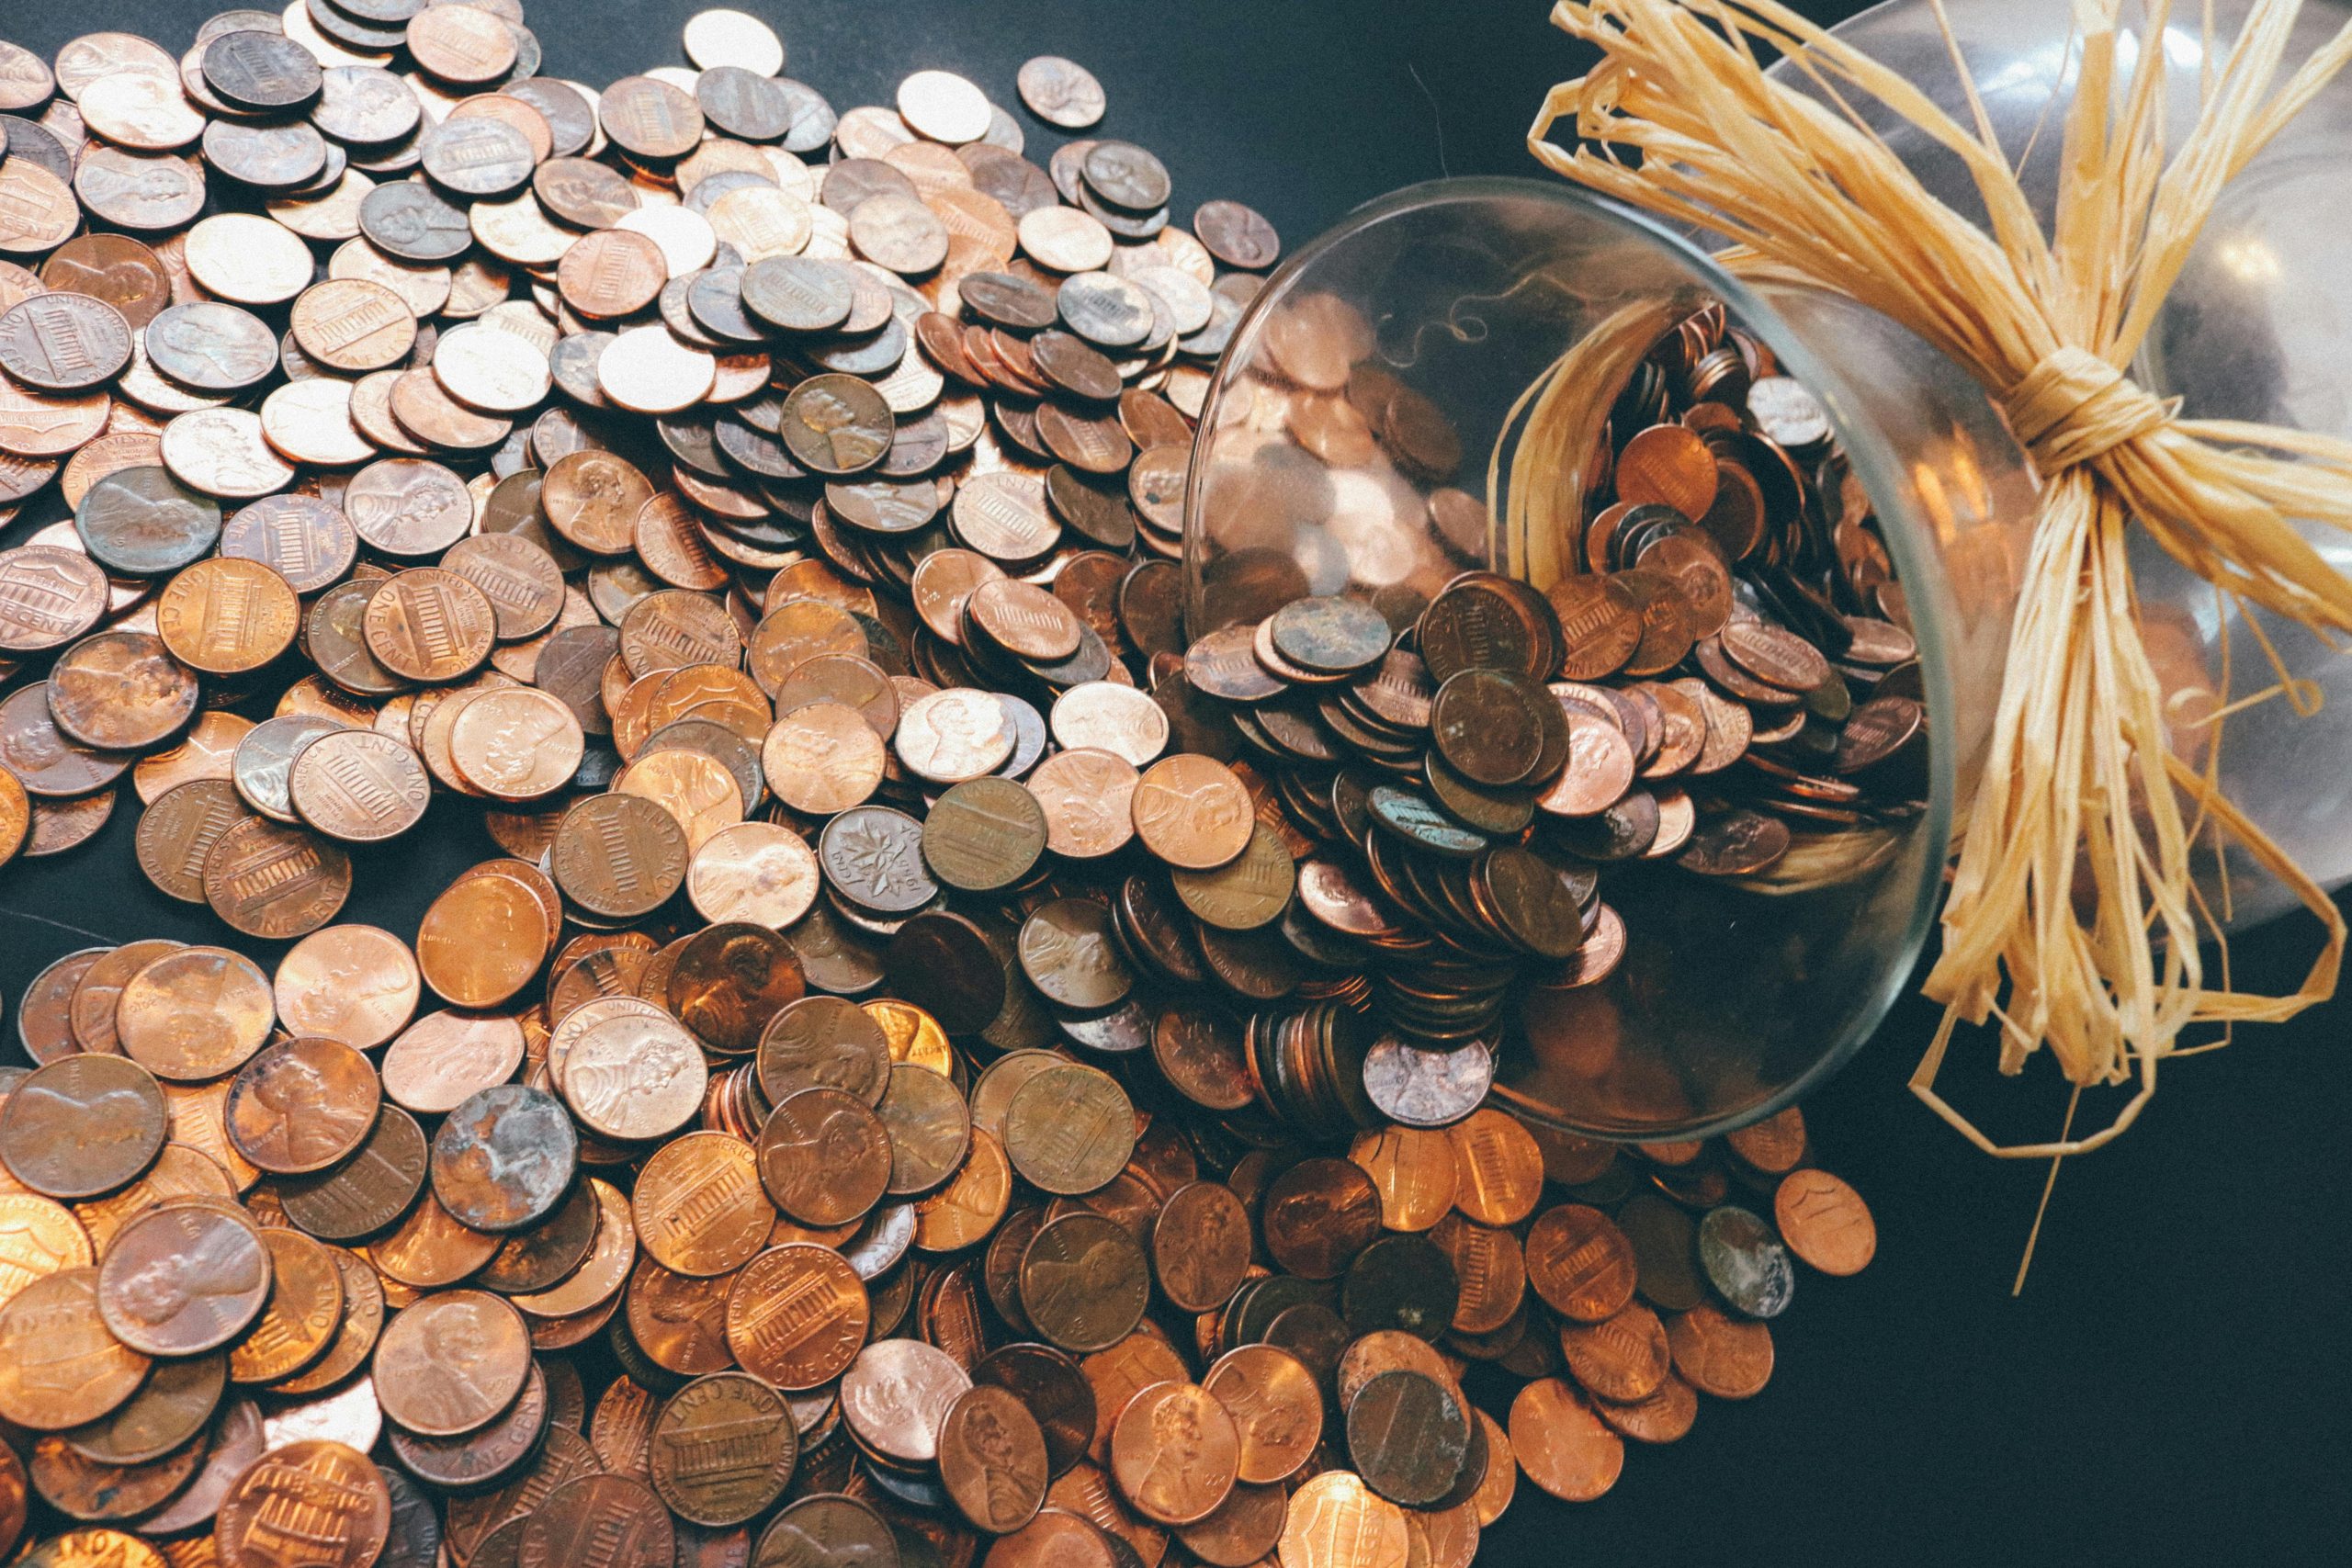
{"x": 2073, "y": 405}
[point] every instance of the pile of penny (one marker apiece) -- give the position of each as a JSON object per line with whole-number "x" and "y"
{"x": 282, "y": 1260}
{"x": 937, "y": 1062}
{"x": 1722, "y": 683}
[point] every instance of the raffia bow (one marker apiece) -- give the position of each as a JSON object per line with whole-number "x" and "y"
{"x": 1806, "y": 191}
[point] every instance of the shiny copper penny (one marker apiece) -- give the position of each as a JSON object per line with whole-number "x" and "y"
{"x": 1564, "y": 1447}
{"x": 1175, "y": 1452}
{"x": 1580, "y": 1262}
{"x": 181, "y": 1280}
{"x": 195, "y": 1013}
{"x": 356, "y": 984}
{"x": 227, "y": 616}
{"x": 619, "y": 856}
{"x": 359, "y": 786}
{"x": 699, "y": 1206}
{"x": 450, "y": 1363}
{"x": 1825, "y": 1222}
{"x": 796, "y": 1315}
{"x": 482, "y": 940}
{"x": 336, "y": 1493}
{"x": 275, "y": 882}
{"x": 62, "y": 1368}
{"x": 429, "y": 625}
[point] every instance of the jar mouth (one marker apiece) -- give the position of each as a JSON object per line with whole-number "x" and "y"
{"x": 1875, "y": 462}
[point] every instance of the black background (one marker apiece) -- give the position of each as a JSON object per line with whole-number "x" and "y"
{"x": 2172, "y": 1384}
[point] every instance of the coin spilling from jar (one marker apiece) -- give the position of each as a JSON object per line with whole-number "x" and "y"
{"x": 940, "y": 1061}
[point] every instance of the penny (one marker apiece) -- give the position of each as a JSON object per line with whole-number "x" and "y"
{"x": 82, "y": 1125}
{"x": 1070, "y": 1128}
{"x": 723, "y": 1448}
{"x": 304, "y": 1314}
{"x": 227, "y": 617}
{"x": 64, "y": 341}
{"x": 1580, "y": 1263}
{"x": 823, "y": 1043}
{"x": 1721, "y": 1355}
{"x": 1335, "y": 1520}
{"x": 450, "y": 1363}
{"x": 194, "y": 1014}
{"x": 897, "y": 1392}
{"x": 929, "y": 1128}
{"x": 355, "y": 983}
{"x": 370, "y": 1189}
{"x": 825, "y": 1157}
{"x": 699, "y": 1207}
{"x": 796, "y": 1315}
{"x": 1060, "y": 92}
{"x": 1561, "y": 1444}
{"x": 1083, "y": 1281}
{"x": 1825, "y": 1222}
{"x": 504, "y": 1158}
{"x": 48, "y": 597}
{"x": 64, "y": 1368}
{"x": 120, "y": 691}
{"x": 359, "y": 786}
{"x": 336, "y": 1493}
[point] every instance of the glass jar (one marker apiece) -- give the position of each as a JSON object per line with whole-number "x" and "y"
{"x": 1734, "y": 995}
{"x": 2256, "y": 328}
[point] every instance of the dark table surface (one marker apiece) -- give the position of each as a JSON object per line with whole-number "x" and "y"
{"x": 2172, "y": 1384}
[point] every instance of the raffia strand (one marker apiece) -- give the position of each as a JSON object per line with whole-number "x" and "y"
{"x": 2080, "y": 782}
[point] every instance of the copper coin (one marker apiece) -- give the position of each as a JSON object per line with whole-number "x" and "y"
{"x": 1825, "y": 1222}
{"x": 1580, "y": 1262}
{"x": 723, "y": 1448}
{"x": 897, "y": 1392}
{"x": 1070, "y": 1128}
{"x": 1335, "y": 1520}
{"x": 300, "y": 537}
{"x": 407, "y": 506}
{"x": 304, "y": 1312}
{"x": 837, "y": 424}
{"x": 699, "y": 1206}
{"x": 195, "y": 1013}
{"x": 440, "y": 1060}
{"x": 450, "y": 1363}
{"x": 359, "y": 786}
{"x": 1192, "y": 812}
{"x": 1499, "y": 1169}
{"x": 275, "y": 882}
{"x": 1561, "y": 1444}
{"x": 825, "y": 1157}
{"x": 619, "y": 856}
{"x": 634, "y": 1078}
{"x": 48, "y": 597}
{"x": 429, "y": 625}
{"x": 504, "y": 1158}
{"x": 302, "y": 1105}
{"x": 82, "y": 1125}
{"x": 1318, "y": 1214}
{"x": 1623, "y": 1358}
{"x": 120, "y": 691}
{"x": 1721, "y": 1355}
{"x": 370, "y": 1190}
{"x": 64, "y": 1367}
{"x": 1200, "y": 1246}
{"x": 336, "y": 1496}
{"x": 64, "y": 341}
{"x": 183, "y": 1280}
{"x": 1084, "y": 1282}
{"x": 796, "y": 1315}
{"x": 823, "y": 1043}
{"x": 1175, "y": 1452}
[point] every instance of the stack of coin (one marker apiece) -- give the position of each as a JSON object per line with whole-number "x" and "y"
{"x": 871, "y": 1102}
{"x": 1722, "y": 683}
